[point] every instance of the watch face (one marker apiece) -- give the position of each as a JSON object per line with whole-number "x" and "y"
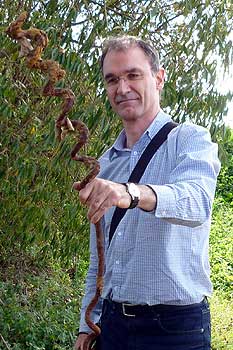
{"x": 133, "y": 190}
{"x": 134, "y": 193}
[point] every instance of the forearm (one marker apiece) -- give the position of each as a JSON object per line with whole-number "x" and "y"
{"x": 148, "y": 198}
{"x": 180, "y": 204}
{"x": 183, "y": 203}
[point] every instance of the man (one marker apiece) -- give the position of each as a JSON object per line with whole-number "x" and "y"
{"x": 157, "y": 269}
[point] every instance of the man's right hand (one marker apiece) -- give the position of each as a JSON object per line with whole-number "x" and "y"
{"x": 100, "y": 195}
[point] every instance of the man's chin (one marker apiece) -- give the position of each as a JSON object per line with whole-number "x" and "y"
{"x": 127, "y": 114}
{"x": 128, "y": 118}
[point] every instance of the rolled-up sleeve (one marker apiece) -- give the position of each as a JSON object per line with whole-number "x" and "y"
{"x": 188, "y": 196}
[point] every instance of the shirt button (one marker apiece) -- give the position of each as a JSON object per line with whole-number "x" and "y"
{"x": 117, "y": 262}
{"x": 119, "y": 233}
{"x": 135, "y": 153}
{"x": 164, "y": 212}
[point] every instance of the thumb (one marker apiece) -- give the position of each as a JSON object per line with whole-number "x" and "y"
{"x": 77, "y": 186}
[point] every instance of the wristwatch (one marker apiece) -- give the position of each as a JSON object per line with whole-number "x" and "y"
{"x": 134, "y": 193}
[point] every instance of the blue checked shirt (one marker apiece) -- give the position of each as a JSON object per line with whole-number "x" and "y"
{"x": 159, "y": 257}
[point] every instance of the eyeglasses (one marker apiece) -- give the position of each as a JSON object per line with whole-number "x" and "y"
{"x": 113, "y": 80}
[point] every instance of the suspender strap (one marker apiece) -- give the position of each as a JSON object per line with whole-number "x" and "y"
{"x": 139, "y": 169}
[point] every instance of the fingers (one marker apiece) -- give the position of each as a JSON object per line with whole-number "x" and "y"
{"x": 98, "y": 207}
{"x": 84, "y": 193}
{"x": 100, "y": 195}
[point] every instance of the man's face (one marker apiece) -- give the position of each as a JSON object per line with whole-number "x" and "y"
{"x": 133, "y": 89}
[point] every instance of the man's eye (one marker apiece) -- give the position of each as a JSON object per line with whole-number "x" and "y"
{"x": 134, "y": 76}
{"x": 111, "y": 81}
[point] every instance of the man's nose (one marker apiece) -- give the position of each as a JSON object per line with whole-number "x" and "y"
{"x": 123, "y": 86}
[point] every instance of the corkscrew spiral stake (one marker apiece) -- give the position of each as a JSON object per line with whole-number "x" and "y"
{"x": 32, "y": 42}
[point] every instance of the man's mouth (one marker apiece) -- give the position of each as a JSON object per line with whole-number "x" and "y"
{"x": 126, "y": 100}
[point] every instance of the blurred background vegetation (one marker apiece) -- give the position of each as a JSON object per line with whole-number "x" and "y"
{"x": 43, "y": 229}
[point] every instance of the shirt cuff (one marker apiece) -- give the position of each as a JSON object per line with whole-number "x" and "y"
{"x": 165, "y": 206}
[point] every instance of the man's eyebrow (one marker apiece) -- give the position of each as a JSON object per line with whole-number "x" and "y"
{"x": 109, "y": 75}
{"x": 131, "y": 70}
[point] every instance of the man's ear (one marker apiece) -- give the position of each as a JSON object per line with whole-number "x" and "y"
{"x": 160, "y": 78}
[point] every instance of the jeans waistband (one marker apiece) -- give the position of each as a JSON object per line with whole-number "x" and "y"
{"x": 131, "y": 310}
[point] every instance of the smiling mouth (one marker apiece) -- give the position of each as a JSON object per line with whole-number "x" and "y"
{"x": 128, "y": 100}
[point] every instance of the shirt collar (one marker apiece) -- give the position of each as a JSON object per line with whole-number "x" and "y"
{"x": 159, "y": 121}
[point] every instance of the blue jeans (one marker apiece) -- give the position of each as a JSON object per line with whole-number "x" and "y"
{"x": 161, "y": 328}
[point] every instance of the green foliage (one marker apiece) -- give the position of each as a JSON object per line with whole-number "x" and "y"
{"x": 221, "y": 248}
{"x": 222, "y": 321}
{"x": 225, "y": 179}
{"x": 37, "y": 206}
{"x": 40, "y": 312}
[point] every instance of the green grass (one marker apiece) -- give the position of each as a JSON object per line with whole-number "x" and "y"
{"x": 221, "y": 258}
{"x": 222, "y": 322}
{"x": 221, "y": 248}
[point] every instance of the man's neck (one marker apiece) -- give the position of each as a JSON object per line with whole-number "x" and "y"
{"x": 135, "y": 129}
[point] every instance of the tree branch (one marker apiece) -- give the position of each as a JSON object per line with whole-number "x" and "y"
{"x": 5, "y": 343}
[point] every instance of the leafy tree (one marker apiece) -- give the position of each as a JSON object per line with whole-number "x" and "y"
{"x": 38, "y": 208}
{"x": 225, "y": 178}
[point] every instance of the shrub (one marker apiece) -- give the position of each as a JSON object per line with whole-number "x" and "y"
{"x": 221, "y": 248}
{"x": 40, "y": 312}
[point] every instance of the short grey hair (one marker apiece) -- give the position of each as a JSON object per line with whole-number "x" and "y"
{"x": 127, "y": 41}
